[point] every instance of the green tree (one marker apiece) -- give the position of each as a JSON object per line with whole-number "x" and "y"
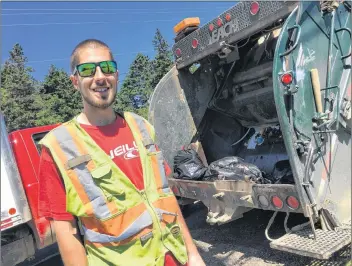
{"x": 19, "y": 91}
{"x": 60, "y": 101}
{"x": 163, "y": 60}
{"x": 137, "y": 84}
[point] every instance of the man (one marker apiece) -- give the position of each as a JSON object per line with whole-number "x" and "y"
{"x": 104, "y": 170}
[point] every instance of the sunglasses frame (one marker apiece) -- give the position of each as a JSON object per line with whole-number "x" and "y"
{"x": 95, "y": 69}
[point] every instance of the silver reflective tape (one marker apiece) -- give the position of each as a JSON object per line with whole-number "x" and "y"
{"x": 161, "y": 212}
{"x": 143, "y": 221}
{"x": 166, "y": 190}
{"x": 95, "y": 195}
{"x": 77, "y": 161}
{"x": 147, "y": 140}
{"x": 164, "y": 181}
{"x": 151, "y": 148}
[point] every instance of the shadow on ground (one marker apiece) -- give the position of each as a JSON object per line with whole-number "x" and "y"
{"x": 243, "y": 242}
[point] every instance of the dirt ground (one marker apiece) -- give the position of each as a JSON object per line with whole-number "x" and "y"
{"x": 241, "y": 242}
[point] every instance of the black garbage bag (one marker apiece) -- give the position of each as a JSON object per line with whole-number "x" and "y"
{"x": 282, "y": 173}
{"x": 188, "y": 165}
{"x": 234, "y": 168}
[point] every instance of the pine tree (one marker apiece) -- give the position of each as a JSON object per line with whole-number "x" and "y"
{"x": 61, "y": 101}
{"x": 136, "y": 88}
{"x": 162, "y": 62}
{"x": 19, "y": 89}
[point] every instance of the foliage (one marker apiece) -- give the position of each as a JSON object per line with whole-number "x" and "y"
{"x": 162, "y": 62}
{"x": 18, "y": 90}
{"x": 143, "y": 76}
{"x": 26, "y": 102}
{"x": 136, "y": 87}
{"x": 61, "y": 102}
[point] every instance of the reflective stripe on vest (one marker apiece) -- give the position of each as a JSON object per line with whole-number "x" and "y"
{"x": 146, "y": 138}
{"x": 165, "y": 184}
{"x": 93, "y": 192}
{"x": 143, "y": 221}
{"x": 149, "y": 145}
{"x": 139, "y": 224}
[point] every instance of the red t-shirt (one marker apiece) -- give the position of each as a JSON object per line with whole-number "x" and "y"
{"x": 117, "y": 141}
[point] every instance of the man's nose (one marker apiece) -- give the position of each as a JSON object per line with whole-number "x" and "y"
{"x": 99, "y": 75}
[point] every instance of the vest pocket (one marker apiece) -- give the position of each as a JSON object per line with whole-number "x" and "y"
{"x": 104, "y": 204}
{"x": 103, "y": 174}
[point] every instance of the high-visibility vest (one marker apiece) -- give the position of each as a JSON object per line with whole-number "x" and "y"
{"x": 121, "y": 224}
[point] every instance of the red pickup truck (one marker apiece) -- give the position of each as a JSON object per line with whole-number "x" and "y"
{"x": 23, "y": 232}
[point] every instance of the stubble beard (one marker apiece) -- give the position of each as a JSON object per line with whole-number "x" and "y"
{"x": 94, "y": 103}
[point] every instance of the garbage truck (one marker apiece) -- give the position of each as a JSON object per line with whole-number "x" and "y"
{"x": 266, "y": 83}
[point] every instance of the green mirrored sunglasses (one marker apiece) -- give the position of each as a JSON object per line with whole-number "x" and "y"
{"x": 88, "y": 69}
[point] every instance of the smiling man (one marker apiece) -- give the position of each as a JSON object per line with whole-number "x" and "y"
{"x": 101, "y": 172}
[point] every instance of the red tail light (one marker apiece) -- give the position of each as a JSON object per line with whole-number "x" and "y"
{"x": 194, "y": 43}
{"x": 12, "y": 211}
{"x": 175, "y": 190}
{"x": 292, "y": 202}
{"x": 219, "y": 22}
{"x": 178, "y": 52}
{"x": 211, "y": 27}
{"x": 277, "y": 202}
{"x": 286, "y": 79}
{"x": 228, "y": 17}
{"x": 254, "y": 8}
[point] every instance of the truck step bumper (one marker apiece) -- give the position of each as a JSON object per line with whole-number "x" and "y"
{"x": 302, "y": 242}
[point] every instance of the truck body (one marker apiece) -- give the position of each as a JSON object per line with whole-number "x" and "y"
{"x": 268, "y": 82}
{"x": 23, "y": 231}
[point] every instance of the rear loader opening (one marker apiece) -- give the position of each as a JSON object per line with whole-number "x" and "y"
{"x": 236, "y": 115}
{"x": 224, "y": 104}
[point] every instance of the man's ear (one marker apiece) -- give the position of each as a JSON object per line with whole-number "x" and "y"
{"x": 74, "y": 81}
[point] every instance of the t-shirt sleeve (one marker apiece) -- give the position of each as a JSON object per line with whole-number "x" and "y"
{"x": 52, "y": 194}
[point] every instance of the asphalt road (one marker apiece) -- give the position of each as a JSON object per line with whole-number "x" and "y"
{"x": 241, "y": 242}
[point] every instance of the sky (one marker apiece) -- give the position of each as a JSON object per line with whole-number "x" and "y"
{"x": 48, "y": 31}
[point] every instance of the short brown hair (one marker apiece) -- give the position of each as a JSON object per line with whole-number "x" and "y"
{"x": 93, "y": 43}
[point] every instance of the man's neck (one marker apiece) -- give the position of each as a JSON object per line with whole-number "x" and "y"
{"x": 97, "y": 117}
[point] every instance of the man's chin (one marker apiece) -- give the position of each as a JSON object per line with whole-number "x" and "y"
{"x": 103, "y": 105}
{"x": 100, "y": 104}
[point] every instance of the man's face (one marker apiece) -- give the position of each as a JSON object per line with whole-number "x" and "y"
{"x": 99, "y": 90}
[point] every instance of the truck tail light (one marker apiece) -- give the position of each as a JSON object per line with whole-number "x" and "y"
{"x": 277, "y": 202}
{"x": 292, "y": 202}
{"x": 211, "y": 27}
{"x": 12, "y": 211}
{"x": 194, "y": 43}
{"x": 254, "y": 8}
{"x": 175, "y": 190}
{"x": 286, "y": 79}
{"x": 219, "y": 22}
{"x": 228, "y": 17}
{"x": 178, "y": 52}
{"x": 263, "y": 201}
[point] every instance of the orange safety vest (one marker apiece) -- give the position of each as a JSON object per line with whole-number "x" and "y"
{"x": 121, "y": 224}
